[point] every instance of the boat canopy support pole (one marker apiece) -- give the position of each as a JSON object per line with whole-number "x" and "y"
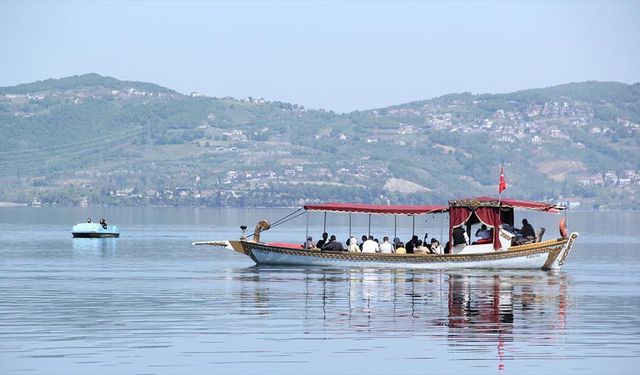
{"x": 324, "y": 227}
{"x": 306, "y": 232}
{"x": 369, "y": 224}
{"x": 413, "y": 217}
{"x": 349, "y": 225}
{"x": 395, "y": 226}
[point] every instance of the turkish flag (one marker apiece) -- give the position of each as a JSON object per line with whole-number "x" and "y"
{"x": 503, "y": 184}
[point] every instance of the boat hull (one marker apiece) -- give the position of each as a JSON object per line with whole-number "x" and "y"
{"x": 94, "y": 235}
{"x": 542, "y": 255}
{"x": 94, "y": 230}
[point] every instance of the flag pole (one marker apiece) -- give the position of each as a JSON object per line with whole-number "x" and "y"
{"x": 501, "y": 185}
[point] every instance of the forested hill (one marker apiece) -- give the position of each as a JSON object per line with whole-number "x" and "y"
{"x": 91, "y": 139}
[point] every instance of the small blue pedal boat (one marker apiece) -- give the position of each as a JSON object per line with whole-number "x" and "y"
{"x": 94, "y": 230}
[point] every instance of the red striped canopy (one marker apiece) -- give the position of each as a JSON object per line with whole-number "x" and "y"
{"x": 376, "y": 209}
{"x": 504, "y": 203}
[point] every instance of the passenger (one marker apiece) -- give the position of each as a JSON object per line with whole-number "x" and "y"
{"x": 447, "y": 248}
{"x": 527, "y": 233}
{"x": 353, "y": 245}
{"x": 386, "y": 247}
{"x": 483, "y": 233}
{"x": 420, "y": 249}
{"x": 411, "y": 244}
{"x": 460, "y": 236}
{"x": 333, "y": 245}
{"x": 309, "y": 245}
{"x": 323, "y": 241}
{"x": 396, "y": 241}
{"x": 103, "y": 222}
{"x": 435, "y": 247}
{"x": 370, "y": 246}
{"x": 527, "y": 229}
{"x": 364, "y": 239}
{"x": 88, "y": 220}
{"x": 400, "y": 248}
{"x": 460, "y": 239}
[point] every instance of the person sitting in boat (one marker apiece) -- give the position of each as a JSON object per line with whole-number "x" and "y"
{"x": 484, "y": 235}
{"x": 353, "y": 245}
{"x": 413, "y": 242}
{"x": 103, "y": 222}
{"x": 364, "y": 239}
{"x": 386, "y": 247}
{"x": 323, "y": 241}
{"x": 89, "y": 220}
{"x": 400, "y": 248}
{"x": 460, "y": 239}
{"x": 435, "y": 247}
{"x": 527, "y": 233}
{"x": 527, "y": 229}
{"x": 333, "y": 245}
{"x": 396, "y": 241}
{"x": 420, "y": 248}
{"x": 309, "y": 244}
{"x": 370, "y": 246}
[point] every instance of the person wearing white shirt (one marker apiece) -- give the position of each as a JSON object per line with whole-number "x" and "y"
{"x": 386, "y": 247}
{"x": 353, "y": 245}
{"x": 370, "y": 246}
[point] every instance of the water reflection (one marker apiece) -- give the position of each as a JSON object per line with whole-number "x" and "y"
{"x": 474, "y": 312}
{"x": 93, "y": 246}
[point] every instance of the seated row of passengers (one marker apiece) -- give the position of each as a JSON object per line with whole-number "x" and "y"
{"x": 370, "y": 244}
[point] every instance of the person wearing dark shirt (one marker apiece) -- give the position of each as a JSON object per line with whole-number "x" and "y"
{"x": 364, "y": 239}
{"x": 413, "y": 242}
{"x": 322, "y": 241}
{"x": 333, "y": 245}
{"x": 459, "y": 236}
{"x": 527, "y": 229}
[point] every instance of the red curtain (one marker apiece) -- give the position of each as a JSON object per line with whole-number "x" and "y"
{"x": 491, "y": 217}
{"x": 487, "y": 215}
{"x": 457, "y": 217}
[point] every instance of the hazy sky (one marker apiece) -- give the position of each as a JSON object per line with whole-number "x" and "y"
{"x": 341, "y": 56}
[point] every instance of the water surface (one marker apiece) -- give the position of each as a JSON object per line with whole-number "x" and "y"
{"x": 150, "y": 303}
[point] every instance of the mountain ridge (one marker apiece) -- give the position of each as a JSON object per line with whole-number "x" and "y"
{"x": 90, "y": 139}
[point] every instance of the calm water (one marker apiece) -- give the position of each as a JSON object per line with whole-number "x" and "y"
{"x": 150, "y": 303}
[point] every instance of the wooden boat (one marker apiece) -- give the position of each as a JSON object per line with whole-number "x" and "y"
{"x": 501, "y": 253}
{"x": 94, "y": 230}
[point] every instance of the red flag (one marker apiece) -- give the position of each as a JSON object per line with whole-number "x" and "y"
{"x": 503, "y": 184}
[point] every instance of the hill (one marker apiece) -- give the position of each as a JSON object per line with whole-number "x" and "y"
{"x": 91, "y": 139}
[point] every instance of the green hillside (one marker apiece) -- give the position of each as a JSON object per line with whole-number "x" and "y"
{"x": 97, "y": 140}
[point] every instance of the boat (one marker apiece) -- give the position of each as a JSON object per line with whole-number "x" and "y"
{"x": 503, "y": 250}
{"x": 94, "y": 230}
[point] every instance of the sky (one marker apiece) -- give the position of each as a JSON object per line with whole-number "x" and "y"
{"x": 340, "y": 56}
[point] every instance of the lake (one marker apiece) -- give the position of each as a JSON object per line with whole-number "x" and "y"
{"x": 151, "y": 303}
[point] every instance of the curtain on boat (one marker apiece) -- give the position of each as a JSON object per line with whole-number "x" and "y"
{"x": 487, "y": 215}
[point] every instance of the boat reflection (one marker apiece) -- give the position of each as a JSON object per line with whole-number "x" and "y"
{"x": 474, "y": 311}
{"x": 104, "y": 246}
